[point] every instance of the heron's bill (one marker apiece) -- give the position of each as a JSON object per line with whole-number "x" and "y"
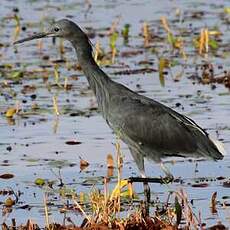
{"x": 35, "y": 36}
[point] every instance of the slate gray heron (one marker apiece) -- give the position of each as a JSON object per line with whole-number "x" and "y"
{"x": 149, "y": 128}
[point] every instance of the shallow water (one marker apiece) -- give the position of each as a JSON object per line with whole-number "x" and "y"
{"x": 38, "y": 139}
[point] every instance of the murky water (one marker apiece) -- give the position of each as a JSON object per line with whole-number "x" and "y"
{"x": 38, "y": 139}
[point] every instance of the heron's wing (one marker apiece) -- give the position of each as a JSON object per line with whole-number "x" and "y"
{"x": 153, "y": 125}
{"x": 150, "y": 123}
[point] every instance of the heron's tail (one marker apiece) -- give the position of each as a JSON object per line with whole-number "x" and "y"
{"x": 220, "y": 146}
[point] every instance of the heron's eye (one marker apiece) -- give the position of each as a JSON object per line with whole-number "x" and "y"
{"x": 56, "y": 29}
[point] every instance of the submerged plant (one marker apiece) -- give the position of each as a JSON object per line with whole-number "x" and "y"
{"x": 125, "y": 33}
{"x": 205, "y": 41}
{"x": 146, "y": 34}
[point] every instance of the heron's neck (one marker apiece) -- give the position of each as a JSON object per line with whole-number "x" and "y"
{"x": 97, "y": 79}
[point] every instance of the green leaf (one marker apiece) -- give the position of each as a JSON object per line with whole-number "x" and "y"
{"x": 125, "y": 32}
{"x": 174, "y": 63}
{"x": 113, "y": 39}
{"x": 171, "y": 39}
{"x": 39, "y": 182}
{"x": 16, "y": 74}
{"x": 126, "y": 194}
{"x": 213, "y": 44}
{"x": 227, "y": 10}
{"x": 66, "y": 192}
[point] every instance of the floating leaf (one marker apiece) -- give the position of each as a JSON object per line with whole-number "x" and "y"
{"x": 8, "y": 66}
{"x": 11, "y": 112}
{"x": 213, "y": 44}
{"x": 6, "y": 176}
{"x": 17, "y": 74}
{"x": 9, "y": 202}
{"x": 227, "y": 10}
{"x": 39, "y": 182}
{"x": 73, "y": 142}
{"x": 58, "y": 163}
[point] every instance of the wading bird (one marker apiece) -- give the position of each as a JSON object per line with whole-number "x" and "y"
{"x": 149, "y": 128}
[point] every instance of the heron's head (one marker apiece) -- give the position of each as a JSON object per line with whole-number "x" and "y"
{"x": 63, "y": 28}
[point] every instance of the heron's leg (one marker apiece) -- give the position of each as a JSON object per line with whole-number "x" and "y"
{"x": 147, "y": 194}
{"x": 139, "y": 159}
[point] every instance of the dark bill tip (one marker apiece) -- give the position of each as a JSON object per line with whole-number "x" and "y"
{"x": 35, "y": 36}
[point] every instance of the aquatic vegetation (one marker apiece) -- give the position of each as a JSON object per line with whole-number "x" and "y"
{"x": 125, "y": 33}
{"x": 112, "y": 43}
{"x": 48, "y": 163}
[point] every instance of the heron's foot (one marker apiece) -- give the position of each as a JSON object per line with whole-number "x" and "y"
{"x": 168, "y": 179}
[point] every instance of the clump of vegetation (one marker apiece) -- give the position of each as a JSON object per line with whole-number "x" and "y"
{"x": 102, "y": 209}
{"x": 105, "y": 215}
